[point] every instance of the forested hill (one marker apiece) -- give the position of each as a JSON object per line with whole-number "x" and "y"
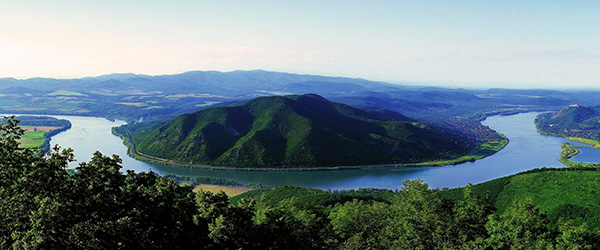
{"x": 295, "y": 131}
{"x": 573, "y": 120}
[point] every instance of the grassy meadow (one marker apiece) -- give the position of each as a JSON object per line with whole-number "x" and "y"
{"x": 33, "y": 139}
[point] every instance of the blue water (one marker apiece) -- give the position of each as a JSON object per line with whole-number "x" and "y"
{"x": 526, "y": 150}
{"x": 587, "y": 155}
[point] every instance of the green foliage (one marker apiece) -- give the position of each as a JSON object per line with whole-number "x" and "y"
{"x": 577, "y": 237}
{"x": 33, "y": 139}
{"x": 197, "y": 180}
{"x": 44, "y": 206}
{"x": 568, "y": 151}
{"x": 308, "y": 198}
{"x": 230, "y": 227}
{"x": 422, "y": 217}
{"x": 294, "y": 131}
{"x": 564, "y": 193}
{"x": 288, "y": 226}
{"x": 521, "y": 226}
{"x": 470, "y": 215}
{"x": 357, "y": 225}
{"x": 40, "y": 139}
{"x": 490, "y": 189}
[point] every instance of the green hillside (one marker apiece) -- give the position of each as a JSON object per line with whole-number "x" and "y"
{"x": 561, "y": 193}
{"x": 309, "y": 198}
{"x": 567, "y": 194}
{"x": 572, "y": 121}
{"x": 295, "y": 131}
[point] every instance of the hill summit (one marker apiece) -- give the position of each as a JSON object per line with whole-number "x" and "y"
{"x": 573, "y": 120}
{"x": 295, "y": 131}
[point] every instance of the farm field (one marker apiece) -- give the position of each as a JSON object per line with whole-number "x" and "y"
{"x": 32, "y": 139}
{"x": 229, "y": 190}
{"x": 34, "y": 135}
{"x": 39, "y": 128}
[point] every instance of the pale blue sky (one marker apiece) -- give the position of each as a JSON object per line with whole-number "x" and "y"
{"x": 516, "y": 44}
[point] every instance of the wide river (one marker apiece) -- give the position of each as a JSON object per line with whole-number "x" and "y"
{"x": 526, "y": 150}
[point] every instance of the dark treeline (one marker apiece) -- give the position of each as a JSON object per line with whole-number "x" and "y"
{"x": 46, "y": 206}
{"x": 40, "y": 121}
{"x": 197, "y": 180}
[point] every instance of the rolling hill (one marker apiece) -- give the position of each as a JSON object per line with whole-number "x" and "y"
{"x": 295, "y": 131}
{"x": 573, "y": 120}
{"x": 561, "y": 193}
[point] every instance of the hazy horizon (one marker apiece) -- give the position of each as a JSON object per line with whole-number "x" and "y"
{"x": 491, "y": 44}
{"x": 434, "y": 84}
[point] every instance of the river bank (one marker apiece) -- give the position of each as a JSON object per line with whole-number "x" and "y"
{"x": 527, "y": 150}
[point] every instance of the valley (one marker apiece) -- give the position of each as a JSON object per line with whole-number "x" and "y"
{"x": 363, "y": 148}
{"x": 199, "y": 142}
{"x": 300, "y": 125}
{"x": 534, "y": 199}
{"x": 90, "y": 134}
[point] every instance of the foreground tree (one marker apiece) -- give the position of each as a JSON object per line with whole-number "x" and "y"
{"x": 422, "y": 218}
{"x": 521, "y": 226}
{"x": 357, "y": 225}
{"x": 30, "y": 185}
{"x": 470, "y": 217}
{"x": 287, "y": 226}
{"x": 44, "y": 205}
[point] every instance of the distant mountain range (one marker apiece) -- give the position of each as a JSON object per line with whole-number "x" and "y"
{"x": 135, "y": 97}
{"x": 222, "y": 83}
{"x": 574, "y": 120}
{"x": 295, "y": 131}
{"x": 143, "y": 98}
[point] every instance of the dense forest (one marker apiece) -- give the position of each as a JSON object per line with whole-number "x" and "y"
{"x": 45, "y": 205}
{"x": 295, "y": 131}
